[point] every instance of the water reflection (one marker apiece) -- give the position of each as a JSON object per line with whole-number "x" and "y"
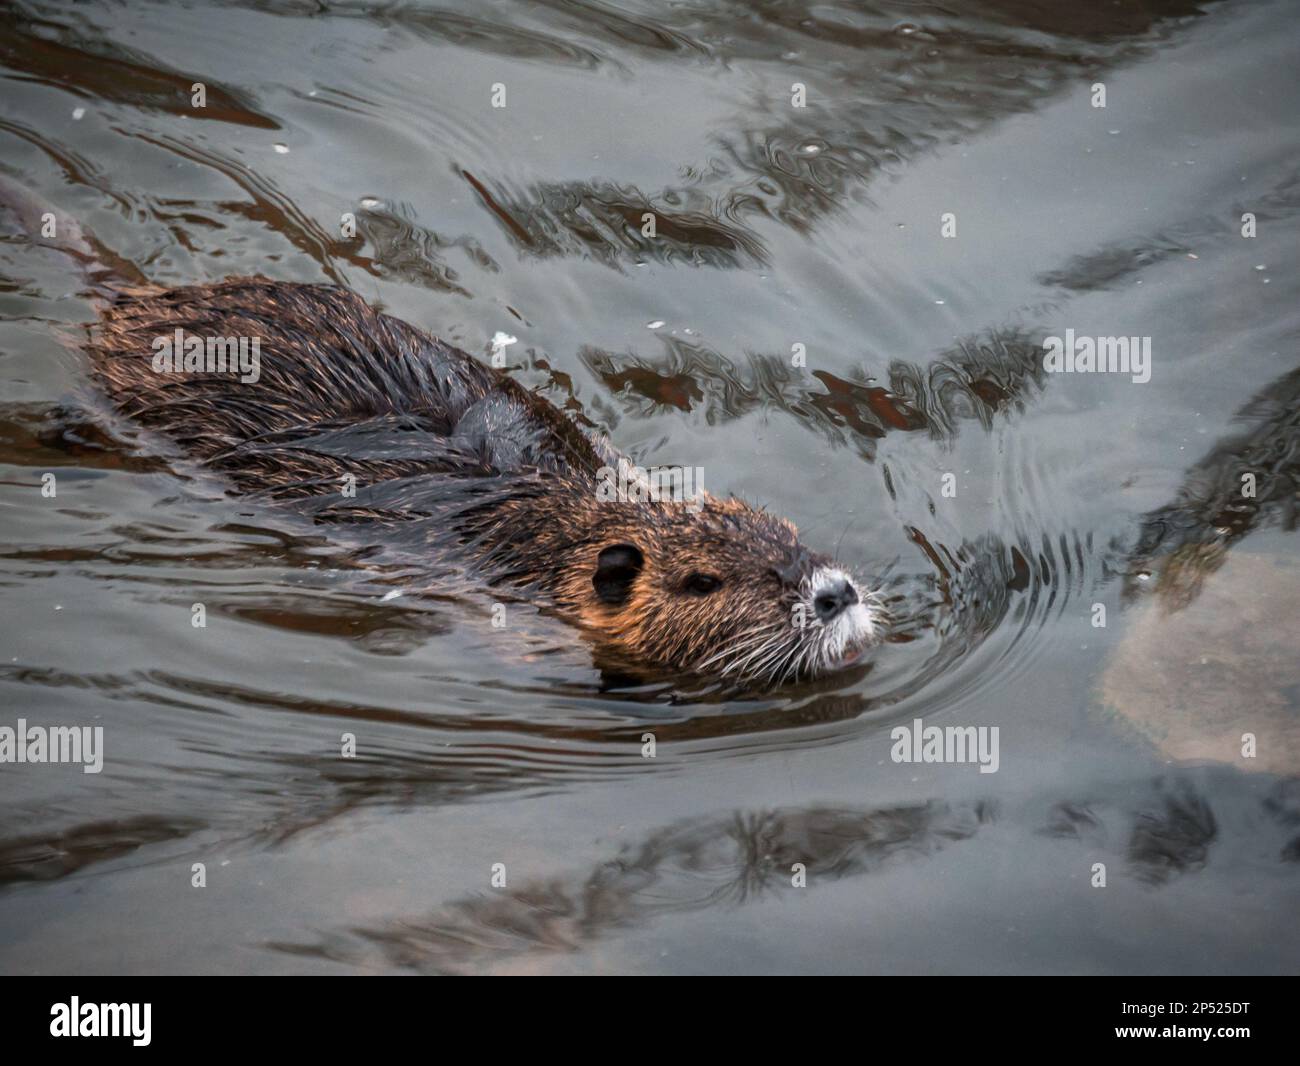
{"x": 46, "y": 856}
{"x": 604, "y": 222}
{"x": 403, "y": 250}
{"x": 701, "y": 864}
{"x": 865, "y": 116}
{"x": 1248, "y": 481}
{"x": 1118, "y": 264}
{"x": 736, "y": 860}
{"x": 977, "y": 379}
{"x": 52, "y": 48}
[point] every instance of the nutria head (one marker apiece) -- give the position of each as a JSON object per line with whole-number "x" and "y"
{"x": 716, "y": 588}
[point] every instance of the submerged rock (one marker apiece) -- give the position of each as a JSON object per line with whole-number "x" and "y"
{"x": 1195, "y": 673}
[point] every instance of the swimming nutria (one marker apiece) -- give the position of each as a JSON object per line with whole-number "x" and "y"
{"x": 704, "y": 585}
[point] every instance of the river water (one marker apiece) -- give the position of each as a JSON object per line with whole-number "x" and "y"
{"x": 999, "y": 505}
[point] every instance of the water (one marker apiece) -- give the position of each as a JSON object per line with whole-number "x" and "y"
{"x": 778, "y": 226}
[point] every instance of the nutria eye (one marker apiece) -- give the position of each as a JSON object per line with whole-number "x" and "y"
{"x": 702, "y": 584}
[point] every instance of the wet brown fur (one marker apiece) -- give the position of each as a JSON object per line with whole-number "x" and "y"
{"x": 330, "y": 363}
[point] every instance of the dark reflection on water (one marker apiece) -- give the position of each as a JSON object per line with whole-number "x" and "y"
{"x": 725, "y": 862}
{"x": 406, "y": 251}
{"x": 774, "y": 225}
{"x": 43, "y": 856}
{"x": 976, "y": 380}
{"x": 47, "y": 46}
{"x": 741, "y": 859}
{"x": 1118, "y": 264}
{"x": 605, "y": 222}
{"x": 797, "y": 174}
{"x": 1189, "y": 538}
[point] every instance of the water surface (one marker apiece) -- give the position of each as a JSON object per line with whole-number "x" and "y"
{"x": 778, "y": 226}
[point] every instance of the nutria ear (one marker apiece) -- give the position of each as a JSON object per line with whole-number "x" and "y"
{"x": 616, "y": 569}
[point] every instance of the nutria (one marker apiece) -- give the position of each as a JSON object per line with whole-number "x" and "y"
{"x": 704, "y": 585}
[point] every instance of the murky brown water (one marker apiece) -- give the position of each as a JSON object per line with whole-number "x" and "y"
{"x": 818, "y": 226}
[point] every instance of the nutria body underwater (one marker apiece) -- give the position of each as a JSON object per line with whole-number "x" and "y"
{"x": 712, "y": 587}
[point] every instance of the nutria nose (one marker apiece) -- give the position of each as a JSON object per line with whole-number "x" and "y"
{"x": 832, "y": 599}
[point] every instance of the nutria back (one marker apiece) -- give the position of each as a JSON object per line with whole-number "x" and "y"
{"x": 325, "y": 360}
